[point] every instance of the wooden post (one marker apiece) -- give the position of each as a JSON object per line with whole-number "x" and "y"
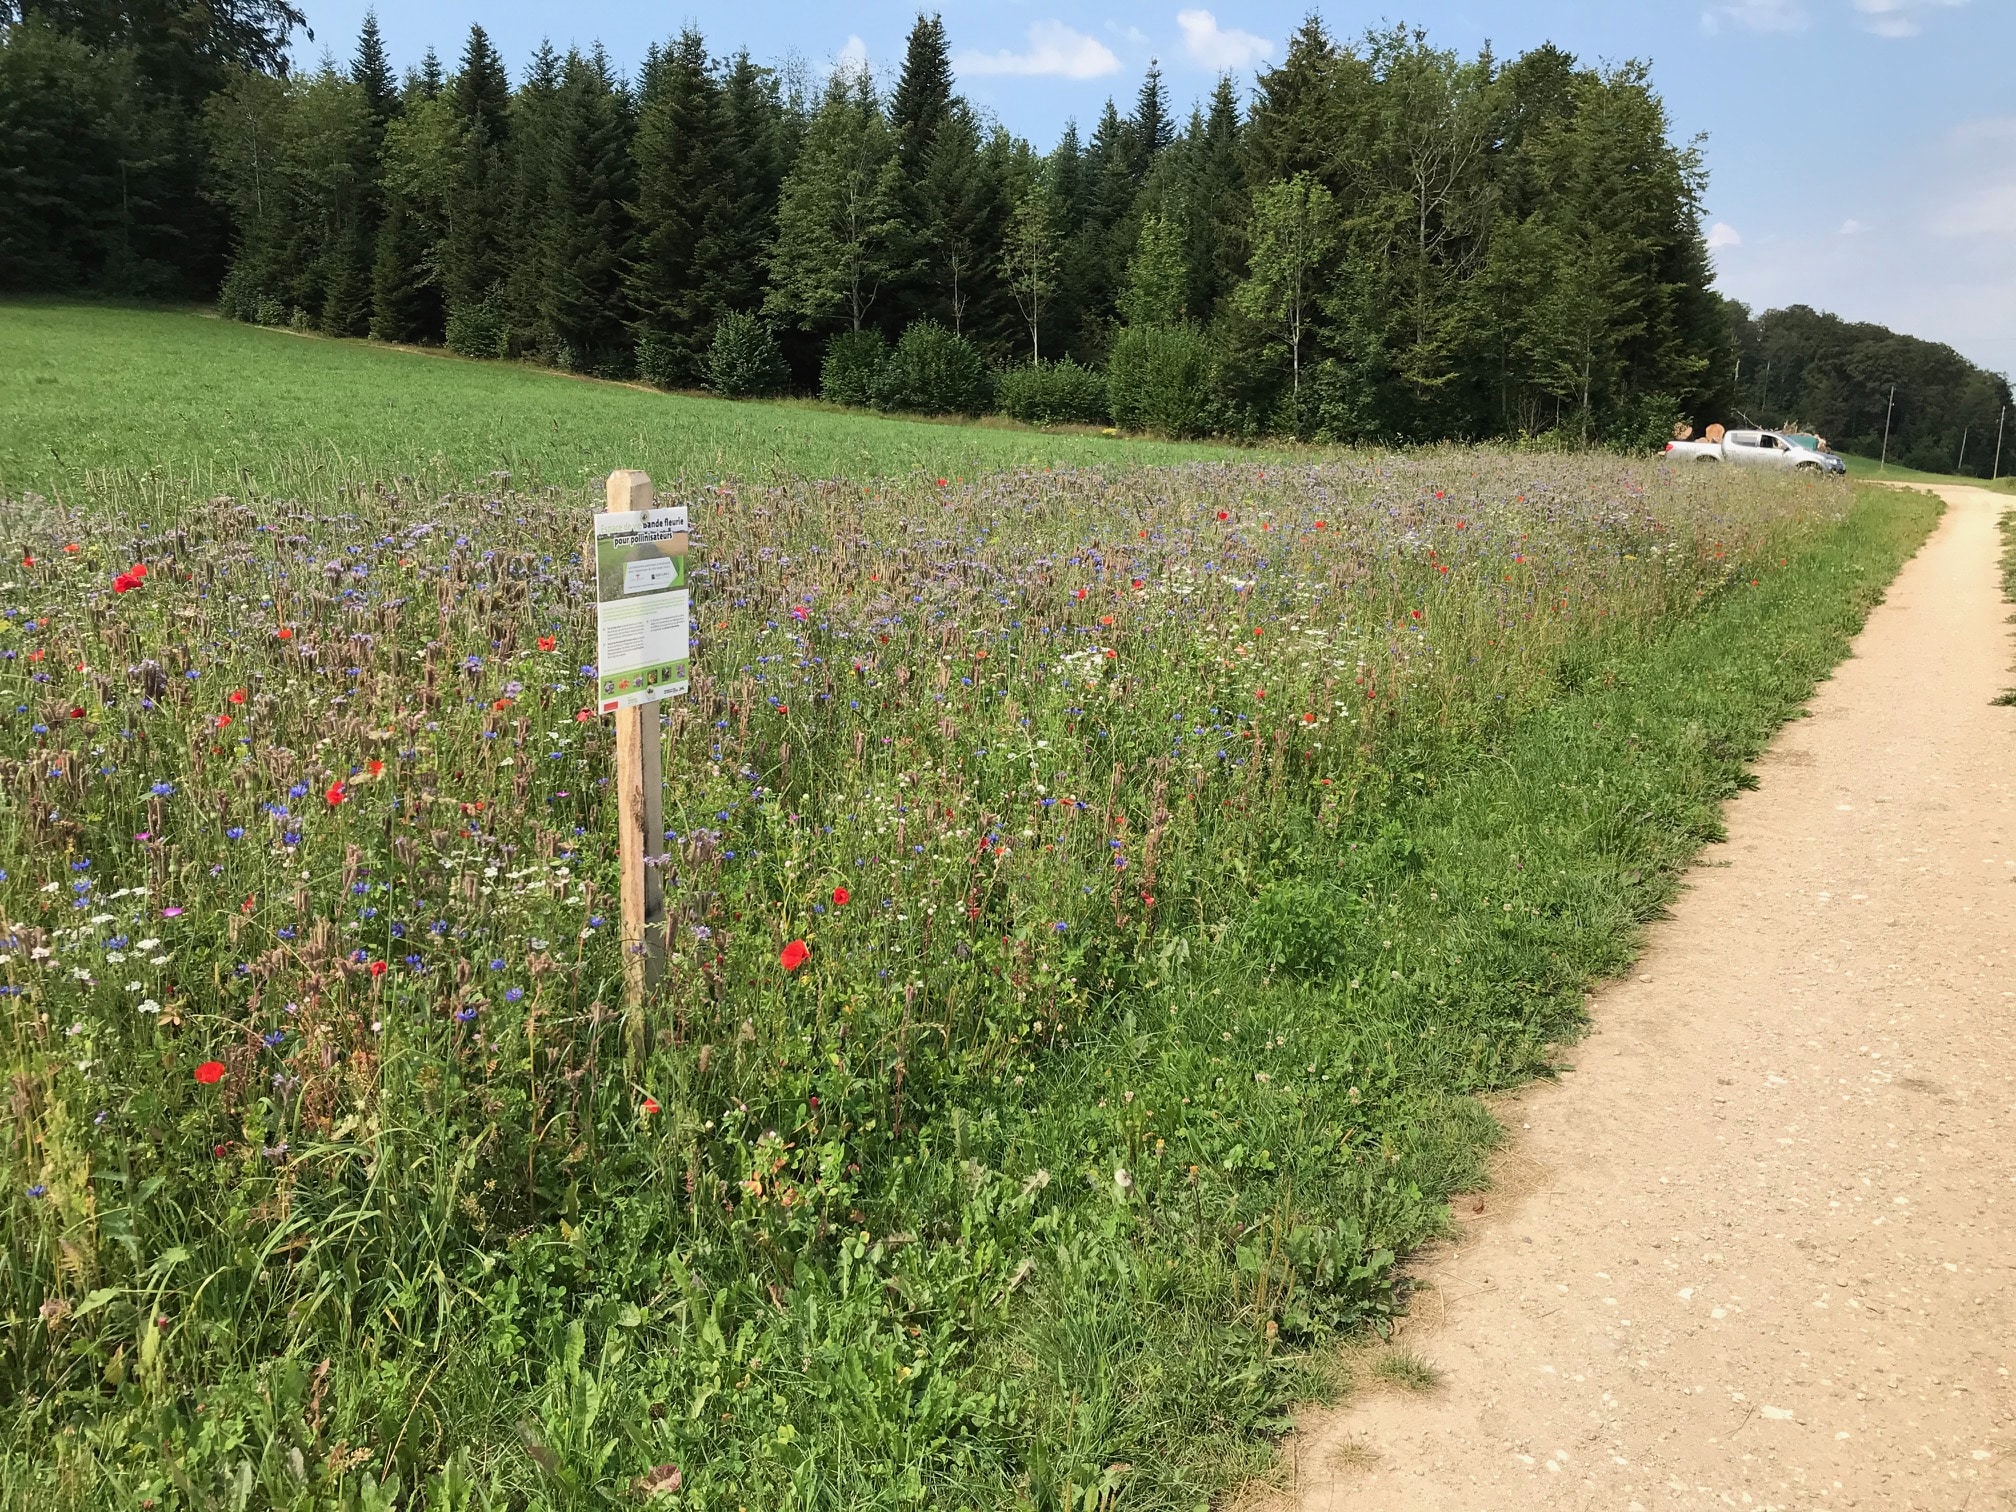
{"x": 640, "y": 814}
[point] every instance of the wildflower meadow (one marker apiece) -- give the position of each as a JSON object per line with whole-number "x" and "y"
{"x": 1094, "y": 901}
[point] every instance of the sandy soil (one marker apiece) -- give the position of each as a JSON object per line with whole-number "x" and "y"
{"x": 1759, "y": 1249}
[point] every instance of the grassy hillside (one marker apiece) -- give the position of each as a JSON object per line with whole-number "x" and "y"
{"x": 87, "y": 387}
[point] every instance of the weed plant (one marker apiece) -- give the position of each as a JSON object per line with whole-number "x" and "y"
{"x": 1094, "y": 899}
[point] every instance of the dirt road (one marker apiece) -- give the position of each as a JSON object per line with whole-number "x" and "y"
{"x": 1759, "y": 1249}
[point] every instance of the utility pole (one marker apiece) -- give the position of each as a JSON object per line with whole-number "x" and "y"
{"x": 2000, "y": 422}
{"x": 1888, "y": 409}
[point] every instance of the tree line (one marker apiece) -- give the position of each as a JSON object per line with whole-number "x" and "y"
{"x": 1385, "y": 241}
{"x": 1855, "y": 383}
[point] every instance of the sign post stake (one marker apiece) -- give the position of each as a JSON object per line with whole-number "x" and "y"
{"x": 640, "y": 792}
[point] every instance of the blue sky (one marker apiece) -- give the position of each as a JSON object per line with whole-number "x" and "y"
{"x": 1862, "y": 152}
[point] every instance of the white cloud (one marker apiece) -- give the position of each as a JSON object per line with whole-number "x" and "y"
{"x": 1220, "y": 47}
{"x": 1899, "y": 18}
{"x": 1757, "y": 16}
{"x": 1851, "y": 227}
{"x": 853, "y": 58}
{"x": 1055, "y": 51}
{"x": 1722, "y": 235}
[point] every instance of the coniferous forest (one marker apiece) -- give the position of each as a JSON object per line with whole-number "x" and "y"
{"x": 1380, "y": 241}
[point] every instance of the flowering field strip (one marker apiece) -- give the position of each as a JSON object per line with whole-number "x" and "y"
{"x": 1068, "y": 1012}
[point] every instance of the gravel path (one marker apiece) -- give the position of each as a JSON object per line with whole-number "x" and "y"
{"x": 1759, "y": 1249}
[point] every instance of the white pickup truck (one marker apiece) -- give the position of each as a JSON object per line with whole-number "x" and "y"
{"x": 1755, "y": 448}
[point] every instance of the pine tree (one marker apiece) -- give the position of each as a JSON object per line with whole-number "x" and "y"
{"x": 1211, "y": 192}
{"x": 839, "y": 220}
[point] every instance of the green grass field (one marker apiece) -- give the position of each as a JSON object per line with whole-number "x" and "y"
{"x": 89, "y": 387}
{"x": 1097, "y": 903}
{"x": 1869, "y": 469}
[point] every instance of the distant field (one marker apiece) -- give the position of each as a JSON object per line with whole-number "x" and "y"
{"x": 1869, "y": 467}
{"x": 86, "y": 387}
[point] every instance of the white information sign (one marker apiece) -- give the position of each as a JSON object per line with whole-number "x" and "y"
{"x": 642, "y": 612}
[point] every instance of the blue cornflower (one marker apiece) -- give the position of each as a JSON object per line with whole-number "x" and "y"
{"x": 1060, "y": 926}
{"x": 236, "y": 832}
{"x": 273, "y": 1038}
{"x": 38, "y": 1190}
{"x": 595, "y": 921}
{"x": 513, "y": 994}
{"x": 438, "y": 927}
{"x": 164, "y": 790}
{"x": 463, "y": 1015}
{"x": 497, "y": 964}
{"x": 398, "y": 930}
{"x": 292, "y": 837}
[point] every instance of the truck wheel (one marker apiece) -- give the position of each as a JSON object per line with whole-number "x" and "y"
{"x": 1708, "y": 459}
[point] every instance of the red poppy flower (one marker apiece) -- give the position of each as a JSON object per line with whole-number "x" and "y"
{"x": 649, "y": 1105}
{"x": 792, "y": 956}
{"x": 1415, "y": 612}
{"x": 336, "y": 794}
{"x": 223, "y": 720}
{"x": 77, "y": 713}
{"x": 125, "y": 583}
{"x": 285, "y": 632}
{"x": 27, "y": 561}
{"x": 377, "y": 968}
{"x": 138, "y": 569}
{"x": 1260, "y": 693}
{"x": 210, "y": 1073}
{"x": 237, "y": 695}
{"x": 1224, "y": 514}
{"x": 840, "y": 897}
{"x": 502, "y": 703}
{"x": 1105, "y": 619}
{"x": 374, "y": 767}
{"x": 941, "y": 482}
{"x": 582, "y": 716}
{"x": 1078, "y": 593}
{"x": 547, "y": 643}
{"x": 71, "y": 549}
{"x": 1139, "y": 583}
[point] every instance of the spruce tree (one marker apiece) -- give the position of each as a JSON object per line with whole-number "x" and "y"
{"x": 473, "y": 251}
{"x": 756, "y": 147}
{"x": 923, "y": 101}
{"x": 683, "y": 187}
{"x": 372, "y": 71}
{"x": 586, "y": 230}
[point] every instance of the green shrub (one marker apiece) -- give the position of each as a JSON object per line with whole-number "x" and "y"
{"x": 934, "y": 372}
{"x": 852, "y": 367}
{"x": 476, "y": 330}
{"x": 744, "y": 361}
{"x": 1159, "y": 379}
{"x": 659, "y": 361}
{"x": 1053, "y": 393}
